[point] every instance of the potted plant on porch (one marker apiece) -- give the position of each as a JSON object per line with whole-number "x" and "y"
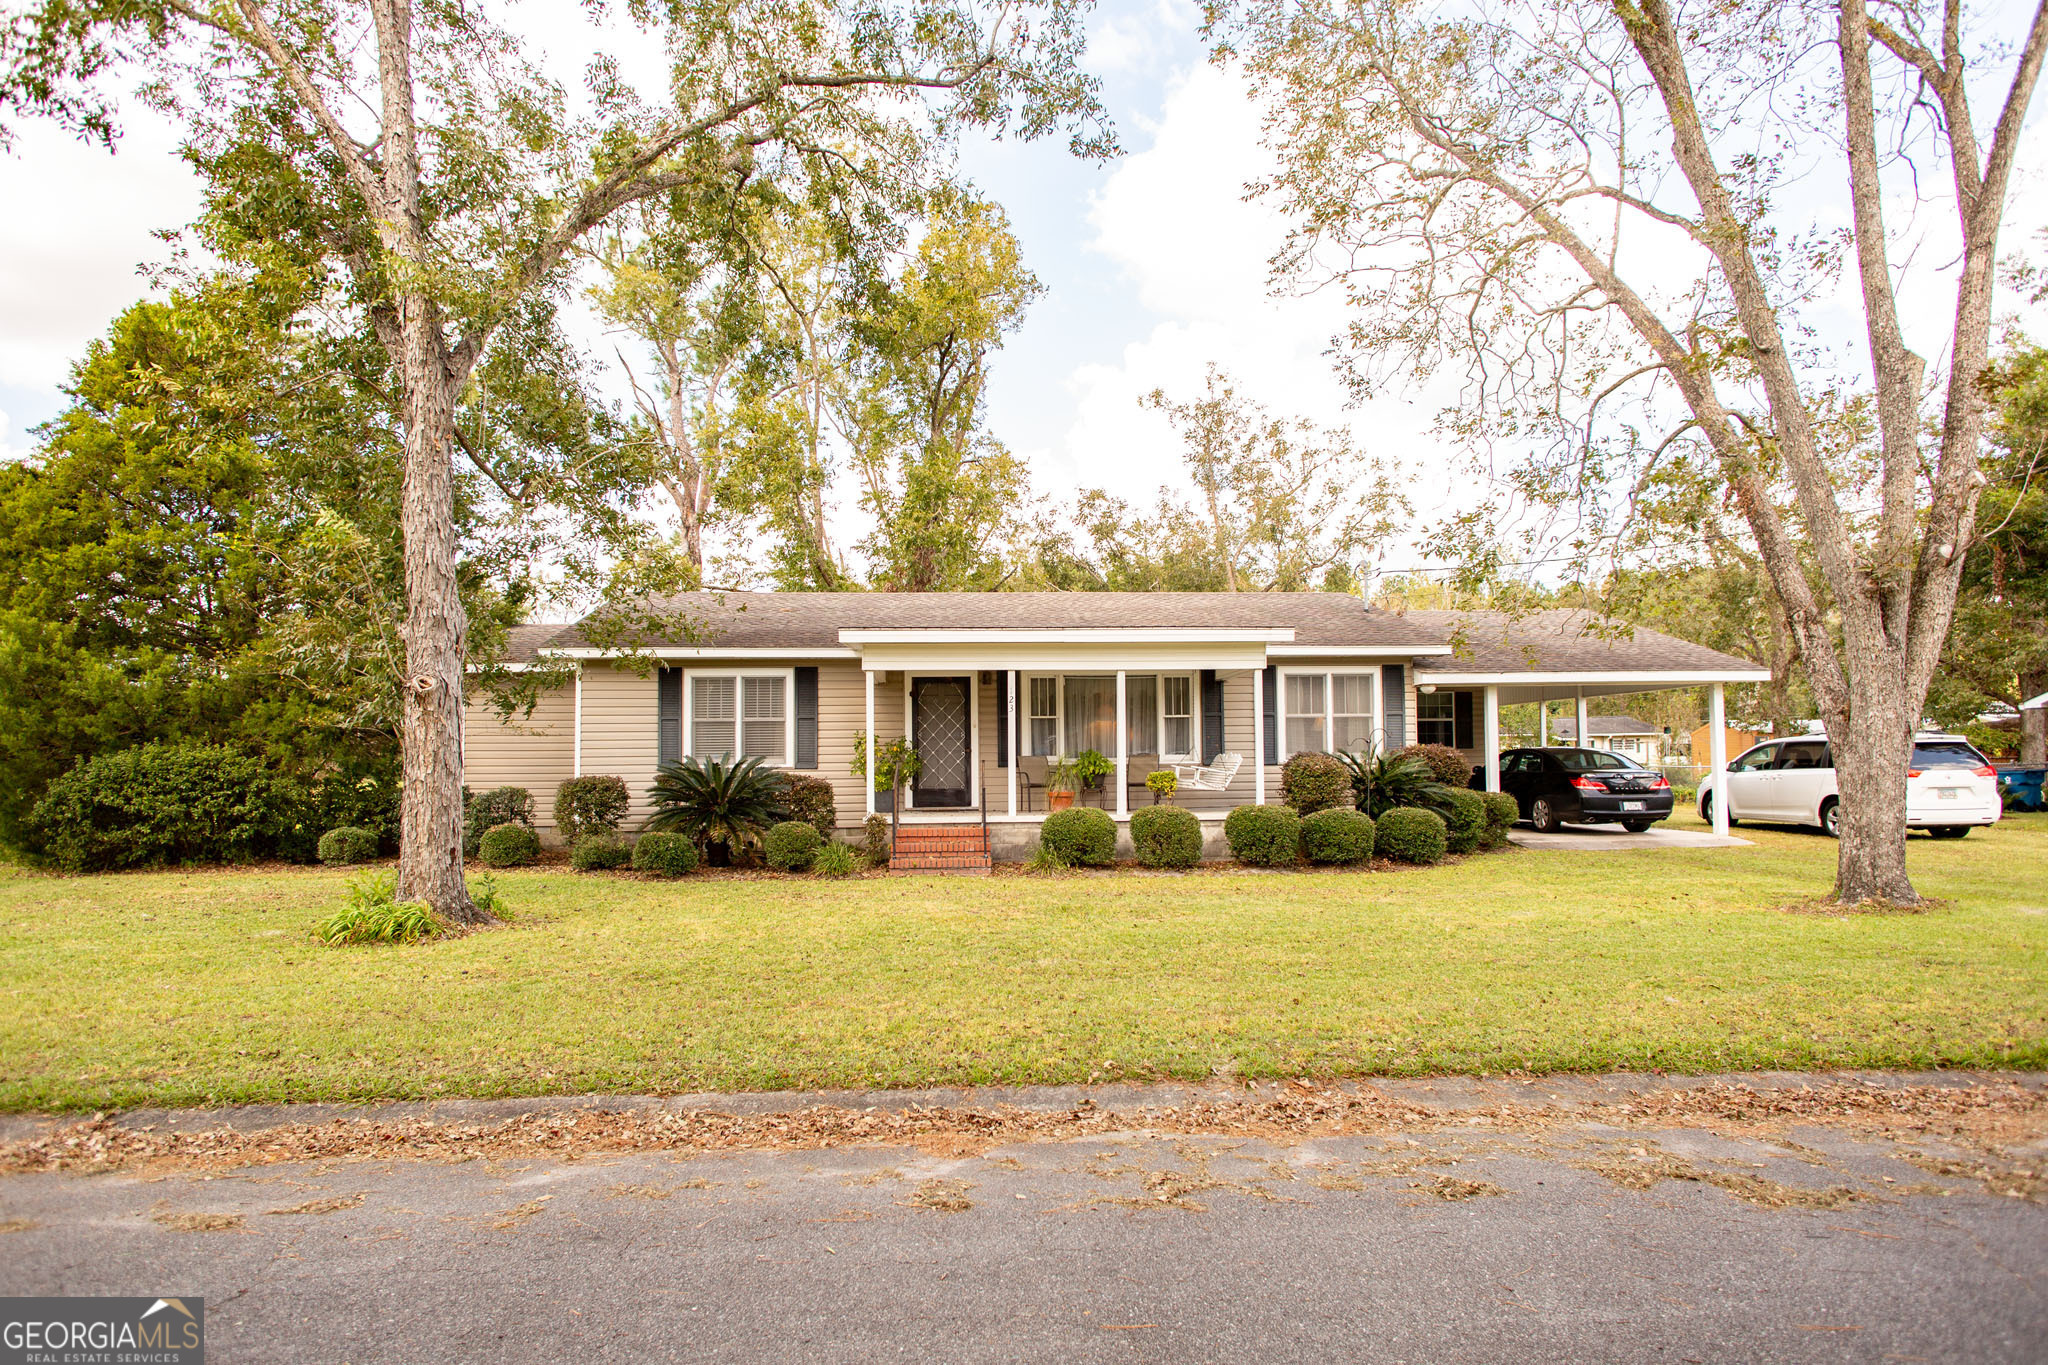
{"x": 897, "y": 765}
{"x": 1091, "y": 766}
{"x": 1061, "y": 780}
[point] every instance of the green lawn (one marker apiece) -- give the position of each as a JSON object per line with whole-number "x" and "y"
{"x": 203, "y": 986}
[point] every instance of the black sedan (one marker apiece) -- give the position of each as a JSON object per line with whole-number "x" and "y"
{"x": 1583, "y": 787}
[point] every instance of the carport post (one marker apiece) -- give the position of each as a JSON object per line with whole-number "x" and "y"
{"x": 1717, "y": 754}
{"x": 1493, "y": 739}
{"x": 1579, "y": 738}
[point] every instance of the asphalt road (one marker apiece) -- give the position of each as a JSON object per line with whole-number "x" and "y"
{"x": 1571, "y": 1241}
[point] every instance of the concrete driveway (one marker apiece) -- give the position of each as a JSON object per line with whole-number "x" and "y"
{"x": 1613, "y": 838}
{"x": 1550, "y": 1220}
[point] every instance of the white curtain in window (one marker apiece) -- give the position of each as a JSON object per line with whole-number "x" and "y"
{"x": 1304, "y": 713}
{"x": 1091, "y": 715}
{"x": 763, "y": 730}
{"x": 712, "y": 717}
{"x": 1042, "y": 732}
{"x": 1141, "y": 712}
{"x": 1351, "y": 711}
{"x": 1177, "y": 716}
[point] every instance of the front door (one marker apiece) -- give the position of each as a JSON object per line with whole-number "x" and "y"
{"x": 939, "y": 712}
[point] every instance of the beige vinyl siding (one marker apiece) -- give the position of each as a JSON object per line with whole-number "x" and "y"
{"x": 620, "y": 712}
{"x": 842, "y": 714}
{"x": 536, "y": 751}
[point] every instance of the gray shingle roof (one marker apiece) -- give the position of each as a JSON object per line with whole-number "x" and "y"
{"x": 1560, "y": 641}
{"x": 522, "y": 643}
{"x": 808, "y": 620}
{"x": 1483, "y": 642}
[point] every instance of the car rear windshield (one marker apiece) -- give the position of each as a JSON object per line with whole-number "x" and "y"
{"x": 1952, "y": 754}
{"x": 1592, "y": 761}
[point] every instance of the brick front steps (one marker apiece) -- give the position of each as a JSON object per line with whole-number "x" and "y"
{"x": 940, "y": 848}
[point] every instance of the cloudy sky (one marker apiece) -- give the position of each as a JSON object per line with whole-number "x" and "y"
{"x": 1154, "y": 266}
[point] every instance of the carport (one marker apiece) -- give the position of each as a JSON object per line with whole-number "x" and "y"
{"x": 1500, "y": 660}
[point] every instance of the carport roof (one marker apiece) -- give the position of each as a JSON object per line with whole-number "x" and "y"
{"x": 1563, "y": 644}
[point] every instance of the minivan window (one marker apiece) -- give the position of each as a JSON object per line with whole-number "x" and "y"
{"x": 1756, "y": 760}
{"x": 1807, "y": 754}
{"x": 1949, "y": 754}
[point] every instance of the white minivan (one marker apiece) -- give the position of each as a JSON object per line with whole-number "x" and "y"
{"x": 1949, "y": 787}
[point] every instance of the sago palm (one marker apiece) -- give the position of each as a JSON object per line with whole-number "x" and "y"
{"x": 722, "y": 807}
{"x": 1384, "y": 781}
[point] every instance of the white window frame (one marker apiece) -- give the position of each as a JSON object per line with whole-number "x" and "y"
{"x": 1374, "y": 682}
{"x": 1159, "y": 677}
{"x": 1450, "y": 695}
{"x": 739, "y": 703}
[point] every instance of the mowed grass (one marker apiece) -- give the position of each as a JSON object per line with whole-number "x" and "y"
{"x": 206, "y": 986}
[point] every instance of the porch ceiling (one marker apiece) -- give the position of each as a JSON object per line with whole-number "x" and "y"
{"x": 1064, "y": 655}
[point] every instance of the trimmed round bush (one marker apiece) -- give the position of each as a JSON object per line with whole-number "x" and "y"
{"x": 790, "y": 846}
{"x": 590, "y": 805}
{"x": 340, "y": 847}
{"x": 665, "y": 855}
{"x": 161, "y": 804}
{"x": 1337, "y": 836}
{"x": 1079, "y": 836}
{"x": 1411, "y": 834}
{"x": 811, "y": 800}
{"x": 1311, "y": 782}
{"x": 874, "y": 840}
{"x": 1464, "y": 821}
{"x": 1445, "y": 764}
{"x": 834, "y": 860}
{"x": 508, "y": 845}
{"x": 1166, "y": 836}
{"x": 1264, "y": 836}
{"x": 598, "y": 853}
{"x": 1501, "y": 813}
{"x": 482, "y": 811}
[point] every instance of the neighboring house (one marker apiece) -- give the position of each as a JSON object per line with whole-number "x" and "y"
{"x": 991, "y": 686}
{"x": 1733, "y": 741}
{"x": 1624, "y": 735}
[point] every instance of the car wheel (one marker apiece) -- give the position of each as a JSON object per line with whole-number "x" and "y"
{"x": 1636, "y": 826}
{"x": 1544, "y": 816}
{"x": 1949, "y": 831}
{"x": 1831, "y": 819}
{"x": 1707, "y": 811}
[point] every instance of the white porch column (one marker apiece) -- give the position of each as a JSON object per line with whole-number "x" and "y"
{"x": 1717, "y": 754}
{"x": 1580, "y": 738}
{"x": 869, "y": 778}
{"x": 1543, "y": 724}
{"x": 577, "y": 740}
{"x": 1258, "y": 736}
{"x": 1493, "y": 739}
{"x": 1123, "y": 757}
{"x": 1011, "y": 721}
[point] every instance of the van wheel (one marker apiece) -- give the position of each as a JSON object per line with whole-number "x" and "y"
{"x": 1707, "y": 811}
{"x": 1544, "y": 816}
{"x": 1636, "y": 826}
{"x": 1949, "y": 831}
{"x": 1831, "y": 818}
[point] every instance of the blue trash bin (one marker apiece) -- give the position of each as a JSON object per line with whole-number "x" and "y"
{"x": 2021, "y": 784}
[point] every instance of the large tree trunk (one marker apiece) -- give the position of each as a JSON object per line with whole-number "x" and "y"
{"x": 1872, "y": 743}
{"x": 436, "y": 635}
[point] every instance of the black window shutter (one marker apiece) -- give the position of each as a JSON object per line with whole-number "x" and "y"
{"x": 806, "y": 718}
{"x": 1461, "y": 720}
{"x": 1002, "y": 718}
{"x": 1212, "y": 715}
{"x": 1272, "y": 725}
{"x": 1394, "y": 706}
{"x": 668, "y": 691}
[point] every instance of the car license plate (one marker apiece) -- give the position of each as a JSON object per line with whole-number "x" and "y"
{"x": 1631, "y": 805}
{"x": 1948, "y": 793}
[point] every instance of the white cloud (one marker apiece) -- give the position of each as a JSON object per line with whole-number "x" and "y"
{"x": 1175, "y": 220}
{"x": 79, "y": 228}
